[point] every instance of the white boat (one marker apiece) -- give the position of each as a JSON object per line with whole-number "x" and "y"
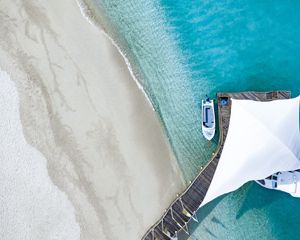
{"x": 288, "y": 182}
{"x": 208, "y": 119}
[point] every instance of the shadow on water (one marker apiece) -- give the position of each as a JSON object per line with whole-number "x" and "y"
{"x": 210, "y": 233}
{"x": 257, "y": 197}
{"x": 276, "y": 205}
{"x": 201, "y": 214}
{"x": 251, "y": 196}
{"x": 217, "y": 221}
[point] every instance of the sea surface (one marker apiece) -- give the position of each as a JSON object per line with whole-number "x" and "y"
{"x": 181, "y": 50}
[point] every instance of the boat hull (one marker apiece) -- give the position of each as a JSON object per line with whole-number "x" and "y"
{"x": 208, "y": 119}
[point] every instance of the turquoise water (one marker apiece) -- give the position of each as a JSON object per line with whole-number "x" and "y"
{"x": 181, "y": 50}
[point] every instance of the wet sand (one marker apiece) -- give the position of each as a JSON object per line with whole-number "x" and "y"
{"x": 79, "y": 107}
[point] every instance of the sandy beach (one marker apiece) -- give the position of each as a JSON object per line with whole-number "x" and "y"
{"x": 99, "y": 146}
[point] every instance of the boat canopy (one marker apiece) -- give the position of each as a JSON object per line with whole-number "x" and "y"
{"x": 208, "y": 116}
{"x": 263, "y": 138}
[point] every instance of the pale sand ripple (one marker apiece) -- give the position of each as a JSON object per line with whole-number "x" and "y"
{"x": 31, "y": 207}
{"x": 80, "y": 108}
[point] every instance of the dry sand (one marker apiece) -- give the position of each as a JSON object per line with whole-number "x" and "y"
{"x": 31, "y": 206}
{"x": 81, "y": 110}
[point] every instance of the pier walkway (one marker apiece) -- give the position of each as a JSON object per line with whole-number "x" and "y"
{"x": 183, "y": 209}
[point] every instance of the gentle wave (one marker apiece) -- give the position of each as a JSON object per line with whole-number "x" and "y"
{"x": 149, "y": 45}
{"x": 87, "y": 15}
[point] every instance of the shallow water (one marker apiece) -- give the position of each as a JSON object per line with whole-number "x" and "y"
{"x": 181, "y": 50}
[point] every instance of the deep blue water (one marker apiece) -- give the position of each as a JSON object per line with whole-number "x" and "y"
{"x": 239, "y": 45}
{"x": 181, "y": 50}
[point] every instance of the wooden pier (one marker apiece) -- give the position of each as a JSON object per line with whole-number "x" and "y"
{"x": 183, "y": 209}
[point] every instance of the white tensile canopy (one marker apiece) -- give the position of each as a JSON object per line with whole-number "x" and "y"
{"x": 263, "y": 138}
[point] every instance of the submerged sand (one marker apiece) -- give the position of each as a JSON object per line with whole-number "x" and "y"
{"x": 81, "y": 110}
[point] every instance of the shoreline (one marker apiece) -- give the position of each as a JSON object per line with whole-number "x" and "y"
{"x": 161, "y": 67}
{"x": 84, "y": 11}
{"x": 104, "y": 145}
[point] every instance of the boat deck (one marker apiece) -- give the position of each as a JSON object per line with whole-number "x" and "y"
{"x": 183, "y": 208}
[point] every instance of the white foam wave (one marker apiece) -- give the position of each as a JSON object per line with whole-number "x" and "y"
{"x": 87, "y": 15}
